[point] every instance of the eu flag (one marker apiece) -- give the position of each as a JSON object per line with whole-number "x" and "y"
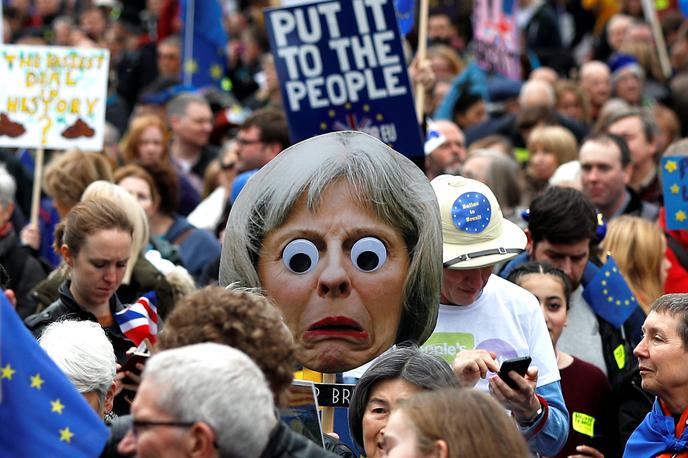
{"x": 41, "y": 412}
{"x": 204, "y": 42}
{"x": 405, "y": 15}
{"x": 609, "y": 295}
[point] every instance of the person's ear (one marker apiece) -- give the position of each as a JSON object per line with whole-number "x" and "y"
{"x": 627, "y": 173}
{"x": 274, "y": 149}
{"x": 67, "y": 255}
{"x": 440, "y": 449}
{"x": 109, "y": 398}
{"x": 201, "y": 440}
{"x": 530, "y": 245}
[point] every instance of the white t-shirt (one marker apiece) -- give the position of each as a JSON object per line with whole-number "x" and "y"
{"x": 506, "y": 319}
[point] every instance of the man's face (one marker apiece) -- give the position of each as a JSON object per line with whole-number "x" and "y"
{"x": 151, "y": 441}
{"x": 449, "y": 156}
{"x": 252, "y": 152}
{"x": 463, "y": 287}
{"x": 631, "y": 129}
{"x": 440, "y": 28}
{"x": 195, "y": 126}
{"x": 169, "y": 60}
{"x": 597, "y": 84}
{"x": 569, "y": 257}
{"x": 604, "y": 179}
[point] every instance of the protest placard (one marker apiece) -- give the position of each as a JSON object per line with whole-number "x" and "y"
{"x": 496, "y": 37}
{"x": 341, "y": 67}
{"x": 53, "y": 97}
{"x": 675, "y": 189}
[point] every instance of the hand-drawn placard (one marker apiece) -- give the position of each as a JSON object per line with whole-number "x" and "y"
{"x": 53, "y": 97}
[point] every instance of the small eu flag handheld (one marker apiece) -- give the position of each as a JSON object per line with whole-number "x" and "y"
{"x": 41, "y": 412}
{"x": 609, "y": 294}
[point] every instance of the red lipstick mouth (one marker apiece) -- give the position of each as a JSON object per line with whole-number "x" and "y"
{"x": 336, "y": 326}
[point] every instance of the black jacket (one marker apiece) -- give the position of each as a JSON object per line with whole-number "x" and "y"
{"x": 66, "y": 308}
{"x": 285, "y": 443}
{"x": 25, "y": 272}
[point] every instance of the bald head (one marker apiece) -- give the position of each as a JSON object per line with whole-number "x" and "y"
{"x": 536, "y": 93}
{"x": 595, "y": 80}
{"x": 545, "y": 74}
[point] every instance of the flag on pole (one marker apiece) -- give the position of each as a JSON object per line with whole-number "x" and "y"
{"x": 205, "y": 40}
{"x": 41, "y": 412}
{"x": 140, "y": 320}
{"x": 405, "y": 15}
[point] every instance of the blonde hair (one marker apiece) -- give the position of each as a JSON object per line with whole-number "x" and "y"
{"x": 441, "y": 415}
{"x": 67, "y": 175}
{"x": 638, "y": 247}
{"x": 556, "y": 140}
{"x": 135, "y": 213}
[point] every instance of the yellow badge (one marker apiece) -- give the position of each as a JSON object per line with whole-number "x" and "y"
{"x": 620, "y": 356}
{"x": 584, "y": 424}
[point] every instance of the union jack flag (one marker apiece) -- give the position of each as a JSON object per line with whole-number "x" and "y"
{"x": 140, "y": 320}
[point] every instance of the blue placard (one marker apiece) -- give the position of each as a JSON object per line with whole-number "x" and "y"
{"x": 341, "y": 67}
{"x": 675, "y": 189}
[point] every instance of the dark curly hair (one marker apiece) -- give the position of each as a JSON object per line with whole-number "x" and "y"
{"x": 243, "y": 320}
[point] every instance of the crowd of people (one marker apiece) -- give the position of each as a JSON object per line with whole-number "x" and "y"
{"x": 337, "y": 255}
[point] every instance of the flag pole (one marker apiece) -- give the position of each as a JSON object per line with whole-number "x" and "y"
{"x": 188, "y": 39}
{"x": 420, "y": 56}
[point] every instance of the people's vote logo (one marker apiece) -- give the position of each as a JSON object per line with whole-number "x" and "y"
{"x": 471, "y": 212}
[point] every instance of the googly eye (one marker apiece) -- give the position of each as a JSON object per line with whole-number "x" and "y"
{"x": 300, "y": 256}
{"x": 368, "y": 254}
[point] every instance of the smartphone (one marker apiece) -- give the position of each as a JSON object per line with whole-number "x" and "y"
{"x": 140, "y": 355}
{"x": 518, "y": 365}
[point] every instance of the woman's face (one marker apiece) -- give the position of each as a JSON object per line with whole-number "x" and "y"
{"x": 383, "y": 398}
{"x": 542, "y": 163}
{"x": 569, "y": 105}
{"x": 150, "y": 147}
{"x": 401, "y": 440}
{"x": 138, "y": 188}
{"x": 98, "y": 268}
{"x": 550, "y": 293}
{"x": 338, "y": 276}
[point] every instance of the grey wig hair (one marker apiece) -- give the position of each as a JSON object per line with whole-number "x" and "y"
{"x": 381, "y": 179}
{"x": 407, "y": 363}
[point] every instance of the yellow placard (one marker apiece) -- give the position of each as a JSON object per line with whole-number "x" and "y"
{"x": 584, "y": 424}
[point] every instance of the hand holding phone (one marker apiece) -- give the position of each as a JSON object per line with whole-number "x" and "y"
{"x": 140, "y": 355}
{"x": 519, "y": 365}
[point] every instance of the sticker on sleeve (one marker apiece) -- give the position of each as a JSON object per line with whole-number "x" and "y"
{"x": 620, "y": 356}
{"x": 584, "y": 424}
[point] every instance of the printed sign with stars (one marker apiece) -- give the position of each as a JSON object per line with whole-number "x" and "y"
{"x": 675, "y": 188}
{"x": 471, "y": 212}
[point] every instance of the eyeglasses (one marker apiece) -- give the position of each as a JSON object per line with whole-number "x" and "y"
{"x": 244, "y": 141}
{"x": 137, "y": 425}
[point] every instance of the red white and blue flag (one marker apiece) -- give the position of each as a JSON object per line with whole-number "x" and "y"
{"x": 140, "y": 320}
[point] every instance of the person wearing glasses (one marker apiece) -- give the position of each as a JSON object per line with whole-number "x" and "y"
{"x": 261, "y": 137}
{"x": 180, "y": 412}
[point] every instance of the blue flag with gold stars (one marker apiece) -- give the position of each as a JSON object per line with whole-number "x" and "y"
{"x": 41, "y": 412}
{"x": 609, "y": 295}
{"x": 203, "y": 43}
{"x": 675, "y": 190}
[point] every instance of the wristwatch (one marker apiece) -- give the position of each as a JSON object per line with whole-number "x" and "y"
{"x": 528, "y": 423}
